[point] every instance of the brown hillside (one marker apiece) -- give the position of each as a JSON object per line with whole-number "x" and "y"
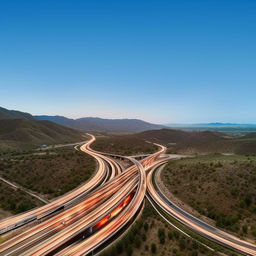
{"x": 21, "y": 132}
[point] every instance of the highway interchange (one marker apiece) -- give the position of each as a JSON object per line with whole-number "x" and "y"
{"x": 83, "y": 220}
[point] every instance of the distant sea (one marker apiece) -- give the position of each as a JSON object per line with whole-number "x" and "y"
{"x": 230, "y": 129}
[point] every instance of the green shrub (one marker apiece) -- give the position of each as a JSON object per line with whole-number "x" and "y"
{"x": 153, "y": 248}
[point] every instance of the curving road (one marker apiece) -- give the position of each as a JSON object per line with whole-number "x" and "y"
{"x": 81, "y": 221}
{"x": 53, "y": 233}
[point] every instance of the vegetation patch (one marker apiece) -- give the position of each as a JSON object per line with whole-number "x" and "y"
{"x": 15, "y": 200}
{"x": 223, "y": 188}
{"x": 52, "y": 173}
{"x": 123, "y": 145}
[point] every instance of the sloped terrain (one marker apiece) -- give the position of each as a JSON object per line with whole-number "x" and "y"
{"x": 200, "y": 142}
{"x": 20, "y": 133}
{"x": 14, "y": 114}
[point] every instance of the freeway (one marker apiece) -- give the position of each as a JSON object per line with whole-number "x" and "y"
{"x": 53, "y": 225}
{"x": 64, "y": 201}
{"x": 121, "y": 220}
{"x": 102, "y": 208}
{"x": 50, "y": 234}
{"x": 94, "y": 241}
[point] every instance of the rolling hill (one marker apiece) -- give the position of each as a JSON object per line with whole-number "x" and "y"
{"x": 172, "y": 136}
{"x": 14, "y": 114}
{"x": 86, "y": 123}
{"x": 22, "y": 129}
{"x": 201, "y": 141}
{"x": 102, "y": 125}
{"x": 22, "y": 133}
{"x": 178, "y": 141}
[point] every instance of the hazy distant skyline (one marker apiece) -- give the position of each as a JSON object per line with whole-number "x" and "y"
{"x": 160, "y": 61}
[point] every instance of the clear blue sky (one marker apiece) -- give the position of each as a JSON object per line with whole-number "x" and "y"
{"x": 161, "y": 61}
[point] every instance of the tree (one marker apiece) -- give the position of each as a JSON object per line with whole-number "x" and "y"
{"x": 182, "y": 244}
{"x": 146, "y": 226}
{"x": 137, "y": 242}
{"x": 119, "y": 247}
{"x": 129, "y": 251}
{"x": 161, "y": 235}
{"x": 170, "y": 235}
{"x": 153, "y": 248}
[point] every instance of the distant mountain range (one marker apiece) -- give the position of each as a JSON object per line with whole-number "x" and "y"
{"x": 22, "y": 130}
{"x": 103, "y": 125}
{"x": 86, "y": 123}
{"x": 19, "y": 130}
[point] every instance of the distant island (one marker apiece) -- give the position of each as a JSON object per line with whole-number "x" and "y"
{"x": 207, "y": 124}
{"x": 233, "y": 129}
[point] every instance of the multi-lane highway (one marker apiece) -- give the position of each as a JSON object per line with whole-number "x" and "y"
{"x": 86, "y": 216}
{"x": 84, "y": 219}
{"x": 107, "y": 169}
